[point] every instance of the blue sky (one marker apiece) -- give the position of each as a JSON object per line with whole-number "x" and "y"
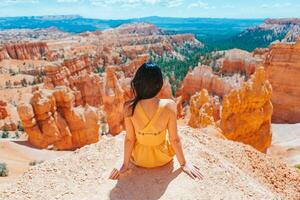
{"x": 120, "y": 9}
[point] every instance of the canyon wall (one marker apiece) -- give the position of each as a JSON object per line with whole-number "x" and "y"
{"x": 51, "y": 118}
{"x": 202, "y": 77}
{"x": 282, "y": 66}
{"x": 239, "y": 61}
{"x": 26, "y": 51}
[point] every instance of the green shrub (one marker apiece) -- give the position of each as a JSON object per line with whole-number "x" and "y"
{"x": 17, "y": 135}
{"x": 3, "y": 170}
{"x": 5, "y": 134}
{"x": 297, "y": 166}
{"x": 20, "y": 126}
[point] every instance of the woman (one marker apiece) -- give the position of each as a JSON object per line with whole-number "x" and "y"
{"x": 151, "y": 125}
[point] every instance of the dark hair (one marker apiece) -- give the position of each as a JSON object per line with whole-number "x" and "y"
{"x": 146, "y": 84}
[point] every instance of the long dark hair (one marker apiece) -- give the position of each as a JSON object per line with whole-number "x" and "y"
{"x": 146, "y": 84}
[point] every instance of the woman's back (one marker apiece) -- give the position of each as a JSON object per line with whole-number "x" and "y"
{"x": 147, "y": 117}
{"x": 152, "y": 148}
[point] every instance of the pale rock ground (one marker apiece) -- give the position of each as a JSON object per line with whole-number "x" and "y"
{"x": 17, "y": 154}
{"x": 22, "y": 65}
{"x": 286, "y": 143}
{"x": 17, "y": 95}
{"x": 231, "y": 171}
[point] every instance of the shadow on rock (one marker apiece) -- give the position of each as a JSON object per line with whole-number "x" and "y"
{"x": 148, "y": 184}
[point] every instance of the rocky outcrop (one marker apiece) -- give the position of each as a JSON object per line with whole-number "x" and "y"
{"x": 282, "y": 21}
{"x": 239, "y": 61}
{"x": 247, "y": 111}
{"x": 62, "y": 74}
{"x": 76, "y": 74}
{"x": 3, "y": 111}
{"x": 25, "y": 51}
{"x": 130, "y": 68}
{"x": 166, "y": 90}
{"x": 3, "y": 53}
{"x": 202, "y": 77}
{"x": 204, "y": 111}
{"x": 181, "y": 39}
{"x": 245, "y": 115}
{"x": 51, "y": 118}
{"x": 285, "y": 29}
{"x": 282, "y": 66}
{"x": 231, "y": 171}
{"x": 113, "y": 100}
{"x": 8, "y": 120}
{"x": 131, "y": 40}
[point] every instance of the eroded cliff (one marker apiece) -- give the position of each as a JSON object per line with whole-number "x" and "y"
{"x": 282, "y": 66}
{"x": 51, "y": 118}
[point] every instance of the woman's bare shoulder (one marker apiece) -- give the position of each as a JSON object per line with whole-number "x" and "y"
{"x": 170, "y": 105}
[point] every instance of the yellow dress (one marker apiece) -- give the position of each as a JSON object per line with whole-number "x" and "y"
{"x": 152, "y": 147}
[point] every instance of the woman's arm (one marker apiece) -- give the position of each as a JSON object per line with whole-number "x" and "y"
{"x": 173, "y": 134}
{"x": 129, "y": 141}
{"x": 128, "y": 148}
{"x": 189, "y": 169}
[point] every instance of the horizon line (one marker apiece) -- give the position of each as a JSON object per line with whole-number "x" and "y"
{"x": 86, "y": 17}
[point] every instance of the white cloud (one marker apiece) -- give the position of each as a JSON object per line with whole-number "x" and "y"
{"x": 152, "y": 1}
{"x": 174, "y": 3}
{"x": 19, "y": 1}
{"x": 67, "y": 1}
{"x": 276, "y": 5}
{"x": 133, "y": 3}
{"x": 199, "y": 4}
{"x": 114, "y": 2}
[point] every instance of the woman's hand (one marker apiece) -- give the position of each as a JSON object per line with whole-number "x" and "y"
{"x": 117, "y": 174}
{"x": 192, "y": 171}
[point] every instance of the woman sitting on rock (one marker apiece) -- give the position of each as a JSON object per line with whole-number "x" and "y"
{"x": 151, "y": 126}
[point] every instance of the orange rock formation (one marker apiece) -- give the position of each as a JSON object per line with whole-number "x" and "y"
{"x": 113, "y": 101}
{"x": 236, "y": 60}
{"x": 24, "y": 51}
{"x": 130, "y": 68}
{"x": 246, "y": 112}
{"x": 166, "y": 90}
{"x": 283, "y": 71}
{"x": 203, "y": 110}
{"x": 3, "y": 111}
{"x": 8, "y": 121}
{"x": 76, "y": 74}
{"x": 202, "y": 77}
{"x": 51, "y": 118}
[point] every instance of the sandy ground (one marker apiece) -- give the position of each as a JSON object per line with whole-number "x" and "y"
{"x": 17, "y": 154}
{"x": 231, "y": 171}
{"x": 17, "y": 95}
{"x": 286, "y": 143}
